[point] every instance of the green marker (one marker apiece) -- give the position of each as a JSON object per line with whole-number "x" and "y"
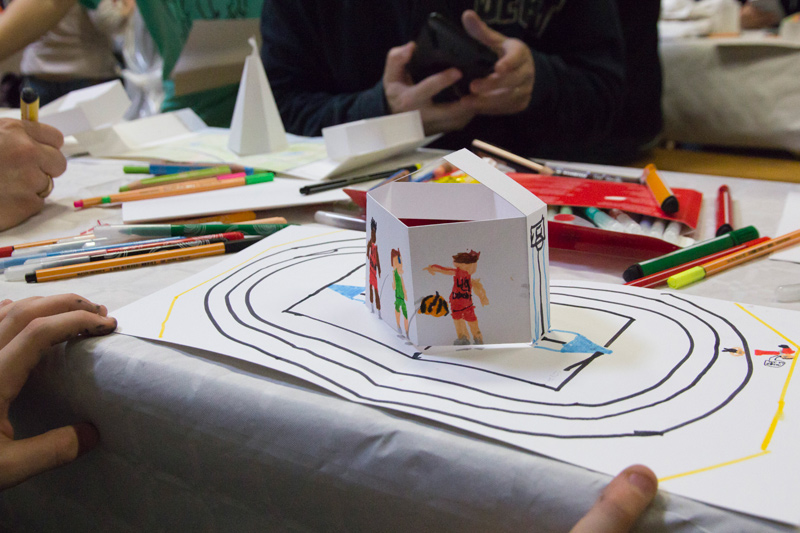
{"x": 185, "y": 230}
{"x": 690, "y": 253}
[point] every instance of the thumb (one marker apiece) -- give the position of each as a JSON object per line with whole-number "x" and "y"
{"x": 478, "y": 29}
{"x": 396, "y": 61}
{"x": 23, "y": 459}
{"x": 621, "y": 503}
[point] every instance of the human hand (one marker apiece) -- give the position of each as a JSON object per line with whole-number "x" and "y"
{"x": 753, "y": 18}
{"x": 27, "y": 329}
{"x": 621, "y": 503}
{"x": 29, "y": 156}
{"x": 402, "y": 94}
{"x": 508, "y": 89}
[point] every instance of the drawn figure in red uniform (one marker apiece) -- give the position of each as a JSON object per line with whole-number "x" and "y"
{"x": 374, "y": 268}
{"x": 785, "y": 353}
{"x": 461, "y": 307}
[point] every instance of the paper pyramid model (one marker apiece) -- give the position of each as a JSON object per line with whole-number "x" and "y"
{"x": 256, "y": 127}
{"x": 455, "y": 263}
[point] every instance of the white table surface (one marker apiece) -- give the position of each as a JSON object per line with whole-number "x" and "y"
{"x": 196, "y": 441}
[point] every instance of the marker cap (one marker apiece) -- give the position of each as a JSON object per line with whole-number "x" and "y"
{"x": 742, "y": 235}
{"x": 686, "y": 277}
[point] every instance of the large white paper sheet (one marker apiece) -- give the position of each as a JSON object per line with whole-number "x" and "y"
{"x": 700, "y": 390}
{"x": 790, "y": 221}
{"x": 210, "y": 145}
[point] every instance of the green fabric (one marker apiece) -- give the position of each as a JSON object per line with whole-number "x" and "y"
{"x": 169, "y": 22}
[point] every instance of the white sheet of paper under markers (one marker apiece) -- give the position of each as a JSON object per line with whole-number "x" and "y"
{"x": 281, "y": 192}
{"x": 790, "y": 221}
{"x": 700, "y": 390}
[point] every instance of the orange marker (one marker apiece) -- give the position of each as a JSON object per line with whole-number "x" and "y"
{"x": 209, "y": 184}
{"x": 664, "y": 197}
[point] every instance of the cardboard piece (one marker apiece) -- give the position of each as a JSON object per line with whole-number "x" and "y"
{"x": 470, "y": 256}
{"x": 256, "y": 127}
{"x": 87, "y": 109}
{"x": 213, "y": 54}
{"x": 129, "y": 136}
{"x": 362, "y": 142}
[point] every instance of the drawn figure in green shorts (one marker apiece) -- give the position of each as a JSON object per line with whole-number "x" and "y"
{"x": 461, "y": 307}
{"x": 399, "y": 290}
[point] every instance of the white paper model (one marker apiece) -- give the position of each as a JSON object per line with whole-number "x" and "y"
{"x": 459, "y": 263}
{"x": 256, "y": 126}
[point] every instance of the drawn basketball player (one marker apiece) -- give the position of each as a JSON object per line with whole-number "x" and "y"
{"x": 374, "y": 268}
{"x": 461, "y": 307}
{"x": 399, "y": 290}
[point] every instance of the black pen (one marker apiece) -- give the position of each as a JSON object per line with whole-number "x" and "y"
{"x": 344, "y": 182}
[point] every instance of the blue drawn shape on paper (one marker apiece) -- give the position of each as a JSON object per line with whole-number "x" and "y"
{"x": 349, "y": 291}
{"x": 578, "y": 344}
{"x": 581, "y": 344}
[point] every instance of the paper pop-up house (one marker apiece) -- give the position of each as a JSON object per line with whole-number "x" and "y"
{"x": 456, "y": 263}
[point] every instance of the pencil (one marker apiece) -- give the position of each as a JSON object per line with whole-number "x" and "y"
{"x": 29, "y": 104}
{"x": 162, "y": 169}
{"x": 663, "y": 195}
{"x": 731, "y": 260}
{"x": 176, "y": 189}
{"x": 136, "y": 261}
{"x": 514, "y": 158}
{"x": 177, "y": 178}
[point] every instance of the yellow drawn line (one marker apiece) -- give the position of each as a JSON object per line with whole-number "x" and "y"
{"x": 781, "y": 401}
{"x": 175, "y": 299}
{"x": 720, "y": 465}
{"x": 775, "y": 419}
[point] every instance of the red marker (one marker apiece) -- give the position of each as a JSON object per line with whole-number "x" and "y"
{"x": 724, "y": 211}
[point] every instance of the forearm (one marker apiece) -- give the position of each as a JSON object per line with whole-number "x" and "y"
{"x": 306, "y": 113}
{"x": 24, "y": 21}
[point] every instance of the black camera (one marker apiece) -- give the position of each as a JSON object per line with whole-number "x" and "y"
{"x": 442, "y": 44}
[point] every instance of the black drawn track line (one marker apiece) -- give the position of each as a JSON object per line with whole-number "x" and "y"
{"x": 428, "y": 409}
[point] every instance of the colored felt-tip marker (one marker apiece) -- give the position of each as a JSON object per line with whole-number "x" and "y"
{"x": 189, "y": 230}
{"x": 165, "y": 169}
{"x": 29, "y": 104}
{"x": 662, "y": 194}
{"x": 189, "y": 175}
{"x": 344, "y": 182}
{"x": 660, "y": 278}
{"x": 602, "y": 220}
{"x": 136, "y": 261}
{"x": 690, "y": 253}
{"x": 731, "y": 260}
{"x": 176, "y": 189}
{"x": 724, "y": 211}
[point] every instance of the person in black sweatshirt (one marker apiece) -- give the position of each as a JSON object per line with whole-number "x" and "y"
{"x": 558, "y": 82}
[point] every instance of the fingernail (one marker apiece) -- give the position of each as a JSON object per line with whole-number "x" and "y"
{"x": 88, "y": 437}
{"x": 644, "y": 483}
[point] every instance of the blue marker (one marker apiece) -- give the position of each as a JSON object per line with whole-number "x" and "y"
{"x": 14, "y": 261}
